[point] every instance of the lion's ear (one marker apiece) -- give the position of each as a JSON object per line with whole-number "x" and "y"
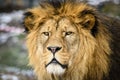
{"x": 28, "y": 20}
{"x": 88, "y": 21}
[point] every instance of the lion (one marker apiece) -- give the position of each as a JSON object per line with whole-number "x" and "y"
{"x": 71, "y": 40}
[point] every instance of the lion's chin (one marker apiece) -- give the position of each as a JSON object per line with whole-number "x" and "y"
{"x": 55, "y": 69}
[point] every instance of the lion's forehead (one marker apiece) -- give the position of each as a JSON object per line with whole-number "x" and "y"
{"x": 59, "y": 24}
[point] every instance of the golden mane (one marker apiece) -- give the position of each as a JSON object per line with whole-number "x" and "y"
{"x": 95, "y": 43}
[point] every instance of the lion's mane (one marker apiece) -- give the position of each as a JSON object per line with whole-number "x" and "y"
{"x": 101, "y": 48}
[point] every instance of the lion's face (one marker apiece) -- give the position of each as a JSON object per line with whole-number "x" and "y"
{"x": 58, "y": 42}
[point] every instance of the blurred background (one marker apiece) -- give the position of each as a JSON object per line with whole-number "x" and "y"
{"x": 13, "y": 52}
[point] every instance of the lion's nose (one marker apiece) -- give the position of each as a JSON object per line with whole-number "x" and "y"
{"x": 54, "y": 49}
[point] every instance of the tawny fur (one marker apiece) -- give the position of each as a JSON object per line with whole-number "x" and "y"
{"x": 93, "y": 59}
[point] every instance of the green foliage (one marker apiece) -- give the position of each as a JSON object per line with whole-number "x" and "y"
{"x": 111, "y": 9}
{"x": 14, "y": 53}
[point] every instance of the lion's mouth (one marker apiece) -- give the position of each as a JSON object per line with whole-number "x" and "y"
{"x": 56, "y": 62}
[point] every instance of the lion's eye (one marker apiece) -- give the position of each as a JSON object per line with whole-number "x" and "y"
{"x": 46, "y": 33}
{"x": 68, "y": 33}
